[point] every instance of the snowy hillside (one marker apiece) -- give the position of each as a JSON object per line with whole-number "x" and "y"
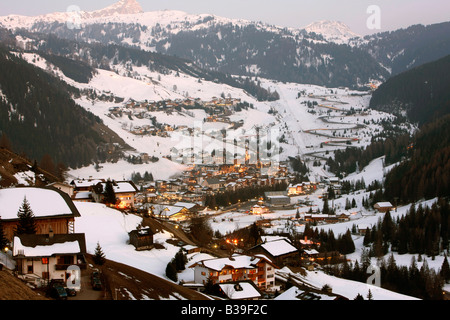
{"x": 110, "y": 229}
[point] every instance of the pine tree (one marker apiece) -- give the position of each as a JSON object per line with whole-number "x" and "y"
{"x": 99, "y": 256}
{"x": 369, "y": 295}
{"x": 27, "y": 223}
{"x": 171, "y": 271}
{"x": 445, "y": 270}
{"x": 180, "y": 260}
{"x": 109, "y": 194}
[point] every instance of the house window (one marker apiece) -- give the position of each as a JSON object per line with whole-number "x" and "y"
{"x": 203, "y": 273}
{"x": 30, "y": 268}
{"x": 44, "y": 260}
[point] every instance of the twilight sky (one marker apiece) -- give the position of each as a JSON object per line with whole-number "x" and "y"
{"x": 394, "y": 14}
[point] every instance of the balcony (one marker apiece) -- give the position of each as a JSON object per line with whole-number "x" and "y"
{"x": 60, "y": 267}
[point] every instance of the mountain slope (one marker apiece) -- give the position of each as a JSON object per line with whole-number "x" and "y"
{"x": 39, "y": 116}
{"x": 231, "y": 46}
{"x": 333, "y": 31}
{"x": 405, "y": 49}
{"x": 422, "y": 93}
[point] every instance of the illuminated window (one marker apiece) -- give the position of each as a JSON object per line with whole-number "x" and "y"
{"x": 44, "y": 260}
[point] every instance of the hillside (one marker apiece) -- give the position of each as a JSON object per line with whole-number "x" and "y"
{"x": 426, "y": 173}
{"x": 421, "y": 94}
{"x": 16, "y": 170}
{"x": 12, "y": 288}
{"x": 39, "y": 116}
{"x": 127, "y": 283}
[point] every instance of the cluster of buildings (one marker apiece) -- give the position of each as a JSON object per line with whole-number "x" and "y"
{"x": 218, "y": 110}
{"x": 56, "y": 246}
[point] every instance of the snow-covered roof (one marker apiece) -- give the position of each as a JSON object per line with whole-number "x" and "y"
{"x": 235, "y": 262}
{"x": 85, "y": 183}
{"x": 169, "y": 211}
{"x": 122, "y": 187}
{"x": 278, "y": 247}
{"x": 36, "y": 245}
{"x": 240, "y": 290}
{"x": 186, "y": 205}
{"x": 43, "y": 202}
{"x": 384, "y": 204}
{"x": 83, "y": 195}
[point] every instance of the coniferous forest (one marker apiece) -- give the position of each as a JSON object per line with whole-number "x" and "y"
{"x": 40, "y": 118}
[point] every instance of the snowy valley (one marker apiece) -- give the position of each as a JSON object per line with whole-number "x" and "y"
{"x": 185, "y": 128}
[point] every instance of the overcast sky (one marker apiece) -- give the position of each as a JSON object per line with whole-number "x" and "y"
{"x": 394, "y": 14}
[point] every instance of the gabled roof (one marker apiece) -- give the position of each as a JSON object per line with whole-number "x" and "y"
{"x": 240, "y": 290}
{"x": 236, "y": 261}
{"x": 42, "y": 245}
{"x": 122, "y": 186}
{"x": 278, "y": 247}
{"x": 44, "y": 202}
{"x": 383, "y": 204}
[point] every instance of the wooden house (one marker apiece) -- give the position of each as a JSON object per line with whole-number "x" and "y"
{"x": 383, "y": 206}
{"x": 281, "y": 251}
{"x": 46, "y": 257}
{"x": 258, "y": 269}
{"x": 142, "y": 239}
{"x": 52, "y": 209}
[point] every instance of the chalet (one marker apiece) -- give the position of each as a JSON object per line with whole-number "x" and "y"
{"x": 295, "y": 189}
{"x": 259, "y": 209}
{"x": 213, "y": 183}
{"x": 191, "y": 249}
{"x": 258, "y": 269}
{"x": 280, "y": 251}
{"x": 239, "y": 290}
{"x": 383, "y": 206}
{"x": 125, "y": 192}
{"x": 83, "y": 196}
{"x": 142, "y": 239}
{"x": 192, "y": 207}
{"x": 172, "y": 213}
{"x": 45, "y": 257}
{"x": 310, "y": 254}
{"x": 84, "y": 185}
{"x": 363, "y": 228}
{"x": 64, "y": 187}
{"x": 277, "y": 198}
{"x": 52, "y": 209}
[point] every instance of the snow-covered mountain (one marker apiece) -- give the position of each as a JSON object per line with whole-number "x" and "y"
{"x": 121, "y": 7}
{"x": 333, "y": 31}
{"x": 231, "y": 46}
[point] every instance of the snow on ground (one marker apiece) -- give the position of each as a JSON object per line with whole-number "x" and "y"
{"x": 346, "y": 288}
{"x": 122, "y": 170}
{"x": 110, "y": 229}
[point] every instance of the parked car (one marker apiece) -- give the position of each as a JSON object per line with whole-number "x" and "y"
{"x": 57, "y": 291}
{"x": 96, "y": 281}
{"x": 71, "y": 292}
{"x": 97, "y": 284}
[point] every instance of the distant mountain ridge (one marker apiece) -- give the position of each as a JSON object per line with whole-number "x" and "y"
{"x": 325, "y": 53}
{"x": 334, "y": 31}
